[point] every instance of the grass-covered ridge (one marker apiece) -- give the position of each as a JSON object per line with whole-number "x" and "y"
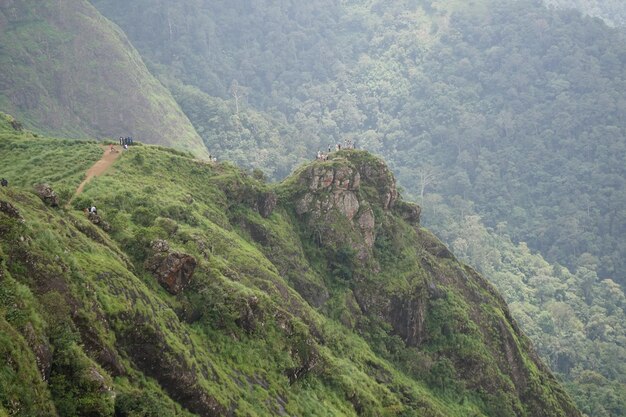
{"x": 401, "y": 328}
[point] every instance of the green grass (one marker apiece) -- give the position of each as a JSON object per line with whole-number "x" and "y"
{"x": 243, "y": 329}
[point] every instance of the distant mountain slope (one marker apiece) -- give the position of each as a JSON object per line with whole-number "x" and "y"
{"x": 66, "y": 69}
{"x": 207, "y": 292}
{"x": 613, "y": 12}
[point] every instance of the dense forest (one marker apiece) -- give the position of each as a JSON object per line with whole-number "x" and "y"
{"x": 613, "y": 12}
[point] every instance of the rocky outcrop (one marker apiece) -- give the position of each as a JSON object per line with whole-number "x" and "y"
{"x": 330, "y": 187}
{"x": 409, "y": 212}
{"x": 8, "y": 209}
{"x": 147, "y": 346}
{"x": 337, "y": 198}
{"x": 266, "y": 203}
{"x": 375, "y": 173}
{"x": 41, "y": 348}
{"x": 250, "y": 314}
{"x": 99, "y": 221}
{"x": 173, "y": 270}
{"x": 47, "y": 195}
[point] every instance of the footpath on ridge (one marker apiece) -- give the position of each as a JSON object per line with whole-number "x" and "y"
{"x": 108, "y": 158}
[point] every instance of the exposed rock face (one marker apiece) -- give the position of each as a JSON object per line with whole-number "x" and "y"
{"x": 376, "y": 173}
{"x": 160, "y": 245}
{"x": 146, "y": 344}
{"x": 250, "y": 315}
{"x": 99, "y": 221}
{"x": 8, "y": 209}
{"x": 266, "y": 203}
{"x": 339, "y": 186}
{"x": 47, "y": 194}
{"x": 407, "y": 315}
{"x": 336, "y": 195}
{"x": 173, "y": 270}
{"x": 42, "y": 350}
{"x": 367, "y": 224}
{"x": 408, "y": 211}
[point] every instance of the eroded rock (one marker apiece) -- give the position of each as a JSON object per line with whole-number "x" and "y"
{"x": 367, "y": 224}
{"x": 409, "y": 212}
{"x": 8, "y": 209}
{"x": 47, "y": 195}
{"x": 266, "y": 203}
{"x": 42, "y": 350}
{"x": 99, "y": 221}
{"x": 172, "y": 270}
{"x": 160, "y": 245}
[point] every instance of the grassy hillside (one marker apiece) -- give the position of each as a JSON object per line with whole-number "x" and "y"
{"x": 318, "y": 296}
{"x": 65, "y": 69}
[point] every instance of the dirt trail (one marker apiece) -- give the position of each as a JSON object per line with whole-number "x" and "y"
{"x": 98, "y": 168}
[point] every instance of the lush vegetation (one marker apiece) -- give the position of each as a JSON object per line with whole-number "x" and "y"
{"x": 577, "y": 322}
{"x": 64, "y": 69}
{"x": 405, "y": 330}
{"x": 613, "y": 12}
{"x": 521, "y": 126}
{"x": 504, "y": 110}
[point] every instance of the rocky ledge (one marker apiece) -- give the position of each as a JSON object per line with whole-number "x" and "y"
{"x": 341, "y": 196}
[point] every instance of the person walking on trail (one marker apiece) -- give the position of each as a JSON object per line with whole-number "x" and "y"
{"x": 93, "y": 210}
{"x": 4, "y": 182}
{"x": 112, "y": 148}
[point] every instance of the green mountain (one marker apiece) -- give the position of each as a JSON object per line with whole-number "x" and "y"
{"x": 65, "y": 69}
{"x": 504, "y": 119}
{"x": 205, "y": 291}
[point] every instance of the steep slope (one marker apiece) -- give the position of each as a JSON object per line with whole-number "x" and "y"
{"x": 65, "y": 69}
{"x": 205, "y": 292}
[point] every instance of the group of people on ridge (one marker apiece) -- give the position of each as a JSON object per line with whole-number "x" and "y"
{"x": 125, "y": 142}
{"x": 347, "y": 144}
